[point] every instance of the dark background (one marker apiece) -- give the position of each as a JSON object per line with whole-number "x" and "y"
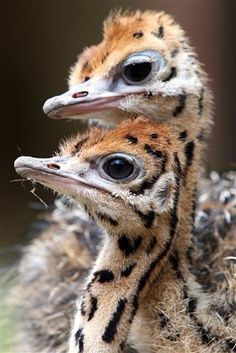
{"x": 40, "y": 40}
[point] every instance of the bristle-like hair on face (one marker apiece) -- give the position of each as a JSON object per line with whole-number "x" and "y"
{"x": 83, "y": 61}
{"x": 74, "y": 144}
{"x": 65, "y": 145}
{"x": 118, "y": 15}
{"x": 118, "y": 18}
{"x": 115, "y": 14}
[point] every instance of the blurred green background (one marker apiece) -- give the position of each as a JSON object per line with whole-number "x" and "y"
{"x": 40, "y": 40}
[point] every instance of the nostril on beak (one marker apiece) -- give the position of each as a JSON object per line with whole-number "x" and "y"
{"x": 53, "y": 166}
{"x": 79, "y": 94}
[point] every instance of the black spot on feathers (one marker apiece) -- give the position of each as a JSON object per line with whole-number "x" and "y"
{"x": 127, "y": 271}
{"x": 129, "y": 245}
{"x": 94, "y": 307}
{"x": 131, "y": 138}
{"x": 173, "y": 73}
{"x": 111, "y": 329}
{"x": 180, "y": 107}
{"x": 160, "y": 33}
{"x": 138, "y": 35}
{"x": 79, "y": 338}
{"x": 104, "y": 276}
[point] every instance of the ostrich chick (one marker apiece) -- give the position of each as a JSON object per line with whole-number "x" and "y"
{"x": 144, "y": 65}
{"x": 135, "y": 182}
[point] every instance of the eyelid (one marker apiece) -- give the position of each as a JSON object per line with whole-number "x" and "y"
{"x": 138, "y": 60}
{"x": 151, "y": 56}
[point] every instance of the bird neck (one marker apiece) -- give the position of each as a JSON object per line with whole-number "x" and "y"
{"x": 194, "y": 106}
{"x": 122, "y": 273}
{"x": 176, "y": 306}
{"x": 126, "y": 268}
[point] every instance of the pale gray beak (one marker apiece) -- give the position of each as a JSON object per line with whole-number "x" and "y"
{"x": 58, "y": 173}
{"x": 41, "y": 168}
{"x": 91, "y": 96}
{"x": 52, "y": 172}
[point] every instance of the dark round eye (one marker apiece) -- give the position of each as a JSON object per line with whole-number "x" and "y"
{"x": 118, "y": 168}
{"x": 137, "y": 72}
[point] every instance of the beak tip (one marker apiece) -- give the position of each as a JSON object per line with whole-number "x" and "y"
{"x": 47, "y": 106}
{"x": 19, "y": 162}
{"x": 51, "y": 108}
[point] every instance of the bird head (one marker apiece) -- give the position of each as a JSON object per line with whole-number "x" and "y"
{"x": 123, "y": 178}
{"x": 144, "y": 65}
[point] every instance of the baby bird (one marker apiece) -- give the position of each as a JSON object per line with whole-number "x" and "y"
{"x": 144, "y": 65}
{"x": 136, "y": 183}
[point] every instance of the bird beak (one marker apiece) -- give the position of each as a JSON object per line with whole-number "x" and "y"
{"x": 52, "y": 172}
{"x": 91, "y": 96}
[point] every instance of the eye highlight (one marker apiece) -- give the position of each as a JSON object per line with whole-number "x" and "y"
{"x": 119, "y": 167}
{"x": 137, "y": 72}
